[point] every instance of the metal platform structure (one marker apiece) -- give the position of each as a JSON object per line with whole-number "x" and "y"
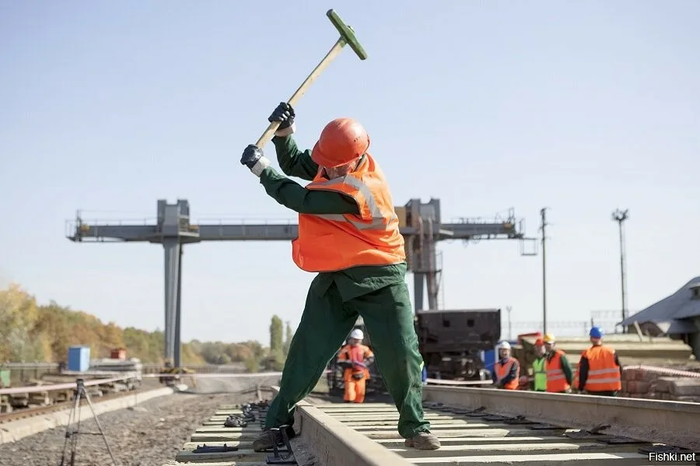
{"x": 421, "y": 225}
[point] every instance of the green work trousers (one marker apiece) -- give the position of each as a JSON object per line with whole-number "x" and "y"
{"x": 325, "y": 324}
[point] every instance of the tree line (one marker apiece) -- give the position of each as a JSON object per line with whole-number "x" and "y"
{"x": 32, "y": 332}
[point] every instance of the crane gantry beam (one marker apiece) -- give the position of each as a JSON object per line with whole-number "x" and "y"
{"x": 420, "y": 224}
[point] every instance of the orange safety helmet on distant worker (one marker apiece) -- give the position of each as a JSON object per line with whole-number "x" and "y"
{"x": 341, "y": 141}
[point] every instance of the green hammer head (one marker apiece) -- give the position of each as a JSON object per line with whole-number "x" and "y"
{"x": 347, "y": 34}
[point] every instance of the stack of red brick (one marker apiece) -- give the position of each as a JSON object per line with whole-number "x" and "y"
{"x": 660, "y": 384}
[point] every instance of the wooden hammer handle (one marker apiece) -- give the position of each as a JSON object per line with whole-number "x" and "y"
{"x": 270, "y": 131}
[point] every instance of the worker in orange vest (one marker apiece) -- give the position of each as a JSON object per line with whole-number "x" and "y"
{"x": 349, "y": 234}
{"x": 506, "y": 371}
{"x": 599, "y": 370}
{"x": 559, "y": 372}
{"x": 355, "y": 358}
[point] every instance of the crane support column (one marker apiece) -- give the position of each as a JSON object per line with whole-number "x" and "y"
{"x": 178, "y": 313}
{"x": 418, "y": 291}
{"x": 173, "y": 230}
{"x": 172, "y": 270}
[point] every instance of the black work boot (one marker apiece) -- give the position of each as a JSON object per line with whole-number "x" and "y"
{"x": 268, "y": 438}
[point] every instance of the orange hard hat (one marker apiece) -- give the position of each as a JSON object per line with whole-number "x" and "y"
{"x": 341, "y": 141}
{"x": 539, "y": 342}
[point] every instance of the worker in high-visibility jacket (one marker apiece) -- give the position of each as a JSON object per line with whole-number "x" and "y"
{"x": 355, "y": 358}
{"x": 539, "y": 372}
{"x": 506, "y": 371}
{"x": 599, "y": 370}
{"x": 349, "y": 235}
{"x": 557, "y": 366}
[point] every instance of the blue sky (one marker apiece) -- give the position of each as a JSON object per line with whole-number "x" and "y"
{"x": 582, "y": 107}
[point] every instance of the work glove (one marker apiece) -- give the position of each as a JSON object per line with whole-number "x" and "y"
{"x": 284, "y": 113}
{"x": 254, "y": 159}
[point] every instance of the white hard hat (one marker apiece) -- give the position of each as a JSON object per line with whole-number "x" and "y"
{"x": 357, "y": 334}
{"x": 504, "y": 345}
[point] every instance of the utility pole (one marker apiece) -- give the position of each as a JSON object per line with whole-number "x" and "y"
{"x": 510, "y": 334}
{"x": 543, "y": 226}
{"x": 620, "y": 216}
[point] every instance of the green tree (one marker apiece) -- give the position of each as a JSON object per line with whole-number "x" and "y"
{"x": 32, "y": 332}
{"x": 288, "y": 340}
{"x": 18, "y": 317}
{"x": 276, "y": 334}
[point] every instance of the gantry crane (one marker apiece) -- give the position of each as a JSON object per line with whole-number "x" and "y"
{"x": 420, "y": 224}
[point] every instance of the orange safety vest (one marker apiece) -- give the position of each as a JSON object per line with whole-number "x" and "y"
{"x": 357, "y": 354}
{"x": 503, "y": 370}
{"x": 329, "y": 243}
{"x": 603, "y": 373}
{"x": 556, "y": 380}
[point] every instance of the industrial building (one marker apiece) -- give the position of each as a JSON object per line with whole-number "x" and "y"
{"x": 677, "y": 316}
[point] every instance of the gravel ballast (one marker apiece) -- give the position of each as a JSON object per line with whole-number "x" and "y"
{"x": 148, "y": 434}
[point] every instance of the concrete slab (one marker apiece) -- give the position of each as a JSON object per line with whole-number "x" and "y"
{"x": 374, "y": 416}
{"x": 667, "y": 422}
{"x": 524, "y": 449}
{"x": 239, "y": 456}
{"x": 223, "y": 436}
{"x": 434, "y": 428}
{"x": 219, "y": 429}
{"x": 393, "y": 422}
{"x": 462, "y": 433}
{"x": 231, "y": 443}
{"x": 606, "y": 459}
{"x": 216, "y": 463}
{"x": 445, "y": 441}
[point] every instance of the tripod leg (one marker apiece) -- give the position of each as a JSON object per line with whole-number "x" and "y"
{"x": 71, "y": 416}
{"x": 99, "y": 426}
{"x": 74, "y": 445}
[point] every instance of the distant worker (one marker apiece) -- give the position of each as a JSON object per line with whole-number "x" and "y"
{"x": 559, "y": 372}
{"x": 599, "y": 370}
{"x": 506, "y": 371}
{"x": 354, "y": 359}
{"x": 539, "y": 372}
{"x": 424, "y": 373}
{"x": 349, "y": 233}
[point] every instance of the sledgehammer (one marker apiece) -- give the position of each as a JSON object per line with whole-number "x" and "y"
{"x": 347, "y": 37}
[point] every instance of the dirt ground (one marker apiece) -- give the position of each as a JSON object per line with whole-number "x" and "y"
{"x": 146, "y": 435}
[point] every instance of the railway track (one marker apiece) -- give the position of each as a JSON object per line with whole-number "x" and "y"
{"x": 24, "y": 413}
{"x": 475, "y": 426}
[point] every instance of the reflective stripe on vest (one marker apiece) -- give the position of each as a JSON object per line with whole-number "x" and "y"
{"x": 603, "y": 372}
{"x": 540, "y": 375}
{"x": 556, "y": 380}
{"x": 329, "y": 243}
{"x": 502, "y": 370}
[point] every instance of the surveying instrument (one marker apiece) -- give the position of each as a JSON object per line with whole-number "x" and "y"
{"x": 74, "y": 416}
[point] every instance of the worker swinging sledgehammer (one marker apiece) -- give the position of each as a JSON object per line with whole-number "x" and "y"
{"x": 355, "y": 359}
{"x": 349, "y": 234}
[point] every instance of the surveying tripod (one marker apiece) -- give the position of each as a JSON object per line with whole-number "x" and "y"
{"x": 74, "y": 416}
